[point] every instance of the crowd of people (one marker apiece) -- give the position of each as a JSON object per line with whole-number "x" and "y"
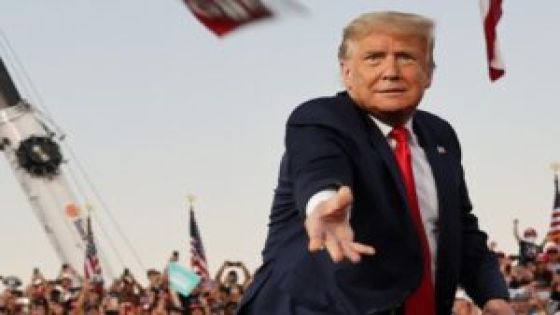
{"x": 532, "y": 276}
{"x": 69, "y": 293}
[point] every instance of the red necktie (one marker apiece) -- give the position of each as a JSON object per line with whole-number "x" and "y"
{"x": 421, "y": 301}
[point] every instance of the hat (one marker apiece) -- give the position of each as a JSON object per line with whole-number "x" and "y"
{"x": 154, "y": 272}
{"x": 11, "y": 282}
{"x": 530, "y": 232}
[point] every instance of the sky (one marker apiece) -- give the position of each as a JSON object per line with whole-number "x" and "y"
{"x": 155, "y": 107}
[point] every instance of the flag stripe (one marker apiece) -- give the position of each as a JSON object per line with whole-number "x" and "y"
{"x": 222, "y": 17}
{"x": 198, "y": 257}
{"x": 491, "y": 11}
{"x": 92, "y": 267}
{"x": 554, "y": 232}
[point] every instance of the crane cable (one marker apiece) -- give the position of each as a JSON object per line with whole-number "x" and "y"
{"x": 44, "y": 112}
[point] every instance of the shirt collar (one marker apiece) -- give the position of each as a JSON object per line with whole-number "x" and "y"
{"x": 386, "y": 129}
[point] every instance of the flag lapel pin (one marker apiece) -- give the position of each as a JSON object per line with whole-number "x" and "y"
{"x": 441, "y": 150}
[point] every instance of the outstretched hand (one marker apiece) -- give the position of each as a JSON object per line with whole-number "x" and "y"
{"x": 328, "y": 226}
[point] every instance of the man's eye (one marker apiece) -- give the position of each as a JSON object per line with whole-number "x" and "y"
{"x": 374, "y": 57}
{"x": 406, "y": 57}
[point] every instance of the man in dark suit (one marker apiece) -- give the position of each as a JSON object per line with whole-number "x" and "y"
{"x": 371, "y": 213}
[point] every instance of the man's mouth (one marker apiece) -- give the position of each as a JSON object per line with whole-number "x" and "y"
{"x": 392, "y": 91}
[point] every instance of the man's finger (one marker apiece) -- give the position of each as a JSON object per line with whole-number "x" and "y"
{"x": 344, "y": 196}
{"x": 334, "y": 248}
{"x": 316, "y": 236}
{"x": 362, "y": 249}
{"x": 349, "y": 252}
{"x": 315, "y": 244}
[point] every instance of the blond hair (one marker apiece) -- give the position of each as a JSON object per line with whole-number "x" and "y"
{"x": 389, "y": 22}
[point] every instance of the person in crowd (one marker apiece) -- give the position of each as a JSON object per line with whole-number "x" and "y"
{"x": 528, "y": 248}
{"x": 89, "y": 299}
{"x": 463, "y": 305}
{"x": 155, "y": 280}
{"x": 371, "y": 190}
{"x": 129, "y": 289}
{"x": 231, "y": 280}
{"x": 542, "y": 275}
{"x": 552, "y": 252}
{"x": 39, "y": 306}
{"x": 67, "y": 272}
{"x": 110, "y": 302}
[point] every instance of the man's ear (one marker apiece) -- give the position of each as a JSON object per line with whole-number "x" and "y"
{"x": 428, "y": 82}
{"x": 345, "y": 73}
{"x": 429, "y": 76}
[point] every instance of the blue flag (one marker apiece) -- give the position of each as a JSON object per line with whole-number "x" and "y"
{"x": 181, "y": 279}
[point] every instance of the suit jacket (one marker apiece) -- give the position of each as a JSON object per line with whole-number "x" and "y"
{"x": 331, "y": 142}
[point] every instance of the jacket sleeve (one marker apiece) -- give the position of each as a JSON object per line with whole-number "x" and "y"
{"x": 480, "y": 273}
{"x": 317, "y": 156}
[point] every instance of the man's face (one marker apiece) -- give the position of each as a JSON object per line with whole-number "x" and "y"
{"x": 155, "y": 279}
{"x": 386, "y": 74}
{"x": 231, "y": 278}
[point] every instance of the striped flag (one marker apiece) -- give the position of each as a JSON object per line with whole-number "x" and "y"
{"x": 224, "y": 16}
{"x": 491, "y": 11}
{"x": 92, "y": 267}
{"x": 198, "y": 257}
{"x": 554, "y": 233}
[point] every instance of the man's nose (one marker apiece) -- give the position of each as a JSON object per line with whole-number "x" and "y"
{"x": 391, "y": 70}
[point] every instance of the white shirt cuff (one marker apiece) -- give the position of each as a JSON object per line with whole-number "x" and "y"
{"x": 319, "y": 197}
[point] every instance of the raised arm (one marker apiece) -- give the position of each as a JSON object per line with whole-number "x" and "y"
{"x": 246, "y": 274}
{"x": 220, "y": 272}
{"x": 516, "y": 230}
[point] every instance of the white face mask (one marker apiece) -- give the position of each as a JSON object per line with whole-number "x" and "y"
{"x": 531, "y": 239}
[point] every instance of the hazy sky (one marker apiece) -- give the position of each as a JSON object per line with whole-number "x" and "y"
{"x": 156, "y": 107}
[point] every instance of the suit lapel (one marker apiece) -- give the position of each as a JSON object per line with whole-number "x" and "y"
{"x": 379, "y": 143}
{"x": 437, "y": 157}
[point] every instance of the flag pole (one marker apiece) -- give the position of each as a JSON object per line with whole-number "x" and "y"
{"x": 191, "y": 199}
{"x": 555, "y": 167}
{"x": 89, "y": 208}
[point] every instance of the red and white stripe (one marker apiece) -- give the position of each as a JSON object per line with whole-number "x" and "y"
{"x": 92, "y": 267}
{"x": 491, "y": 11}
{"x": 555, "y": 223}
{"x": 199, "y": 265}
{"x": 223, "y": 16}
{"x": 554, "y": 232}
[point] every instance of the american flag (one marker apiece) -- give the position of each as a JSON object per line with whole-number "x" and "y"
{"x": 224, "y": 16}
{"x": 491, "y": 11}
{"x": 92, "y": 267}
{"x": 554, "y": 233}
{"x": 198, "y": 258}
